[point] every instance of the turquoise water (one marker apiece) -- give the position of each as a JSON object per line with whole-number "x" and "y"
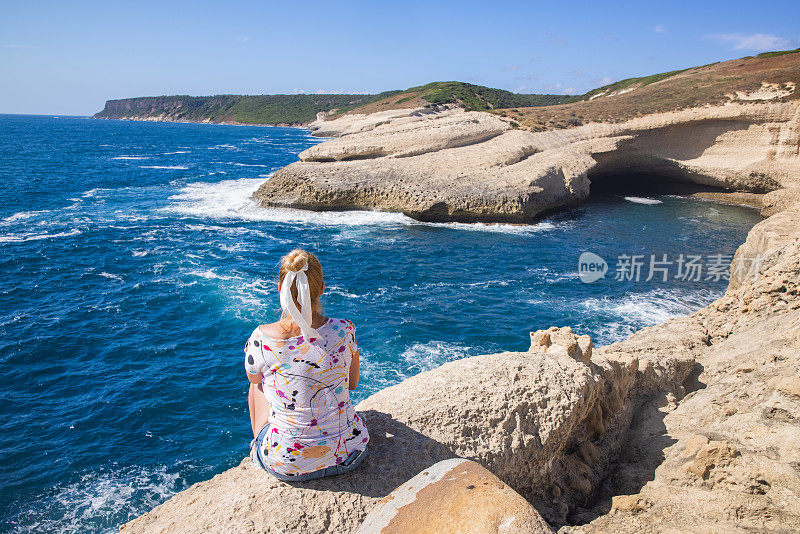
{"x": 133, "y": 267}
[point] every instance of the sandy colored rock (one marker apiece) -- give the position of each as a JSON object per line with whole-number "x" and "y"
{"x": 721, "y": 455}
{"x": 352, "y": 123}
{"x": 693, "y": 445}
{"x": 523, "y": 415}
{"x": 690, "y": 424}
{"x": 469, "y": 166}
{"x": 710, "y": 456}
{"x": 563, "y": 340}
{"x": 779, "y": 200}
{"x": 413, "y": 138}
{"x": 454, "y": 496}
{"x": 630, "y": 503}
{"x": 789, "y": 385}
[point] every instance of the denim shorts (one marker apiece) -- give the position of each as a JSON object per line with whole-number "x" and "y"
{"x": 257, "y": 455}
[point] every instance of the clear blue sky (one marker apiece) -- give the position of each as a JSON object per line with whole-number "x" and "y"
{"x": 69, "y": 57}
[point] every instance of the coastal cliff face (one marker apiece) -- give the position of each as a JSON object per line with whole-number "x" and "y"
{"x": 474, "y": 166}
{"x": 691, "y": 422}
{"x": 281, "y": 110}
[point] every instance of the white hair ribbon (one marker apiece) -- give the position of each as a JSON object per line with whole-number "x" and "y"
{"x": 301, "y": 317}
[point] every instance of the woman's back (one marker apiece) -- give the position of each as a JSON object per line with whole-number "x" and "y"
{"x": 312, "y": 423}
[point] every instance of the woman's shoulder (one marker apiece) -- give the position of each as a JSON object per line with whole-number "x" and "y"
{"x": 269, "y": 330}
{"x": 347, "y": 324}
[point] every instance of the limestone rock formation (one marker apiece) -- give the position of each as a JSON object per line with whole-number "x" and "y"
{"x": 693, "y": 423}
{"x": 411, "y": 138}
{"x": 471, "y": 166}
{"x": 454, "y": 496}
{"x": 719, "y": 451}
{"x": 562, "y": 340}
{"x": 360, "y": 122}
{"x": 546, "y": 424}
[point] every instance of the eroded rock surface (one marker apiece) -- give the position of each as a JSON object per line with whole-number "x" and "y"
{"x": 546, "y": 424}
{"x": 454, "y": 496}
{"x": 693, "y": 423}
{"x": 471, "y": 166}
{"x": 719, "y": 451}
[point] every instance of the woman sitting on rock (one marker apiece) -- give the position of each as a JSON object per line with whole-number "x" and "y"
{"x": 301, "y": 370}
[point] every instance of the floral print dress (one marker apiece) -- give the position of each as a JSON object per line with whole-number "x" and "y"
{"x": 312, "y": 423}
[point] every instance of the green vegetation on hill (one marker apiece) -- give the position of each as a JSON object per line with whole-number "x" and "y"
{"x": 256, "y": 109}
{"x": 622, "y": 84}
{"x": 480, "y": 98}
{"x": 778, "y": 53}
{"x": 302, "y": 109}
{"x": 713, "y": 84}
{"x": 647, "y": 80}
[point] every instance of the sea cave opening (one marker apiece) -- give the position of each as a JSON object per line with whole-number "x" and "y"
{"x": 626, "y": 181}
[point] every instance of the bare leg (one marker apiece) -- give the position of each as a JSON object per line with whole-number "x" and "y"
{"x": 259, "y": 409}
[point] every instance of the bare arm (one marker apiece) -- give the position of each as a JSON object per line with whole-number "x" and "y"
{"x": 255, "y": 378}
{"x": 354, "y": 370}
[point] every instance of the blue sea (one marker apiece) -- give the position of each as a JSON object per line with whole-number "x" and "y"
{"x": 133, "y": 267}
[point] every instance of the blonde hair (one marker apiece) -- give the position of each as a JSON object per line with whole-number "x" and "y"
{"x": 294, "y": 261}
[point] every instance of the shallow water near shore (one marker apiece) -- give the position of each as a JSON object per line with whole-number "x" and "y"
{"x": 134, "y": 267}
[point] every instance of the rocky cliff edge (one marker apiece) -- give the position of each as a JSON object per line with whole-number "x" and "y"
{"x": 691, "y": 424}
{"x": 447, "y": 164}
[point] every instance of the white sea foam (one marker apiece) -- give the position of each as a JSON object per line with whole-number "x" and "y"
{"x": 223, "y": 147}
{"x": 170, "y": 167}
{"x": 208, "y": 274}
{"x": 251, "y": 165}
{"x": 176, "y": 152}
{"x": 111, "y": 276}
{"x": 647, "y": 309}
{"x": 379, "y": 372}
{"x": 31, "y": 236}
{"x": 561, "y": 277}
{"x": 100, "y": 497}
{"x": 643, "y": 200}
{"x": 22, "y": 216}
{"x": 91, "y": 192}
{"x": 230, "y": 199}
{"x": 502, "y": 228}
{"x": 336, "y": 290}
{"x": 421, "y": 357}
{"x": 130, "y": 157}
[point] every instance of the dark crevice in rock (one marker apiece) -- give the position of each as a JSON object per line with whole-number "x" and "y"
{"x": 664, "y": 181}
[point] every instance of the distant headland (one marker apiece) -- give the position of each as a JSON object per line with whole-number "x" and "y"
{"x": 302, "y": 109}
{"x": 690, "y": 422}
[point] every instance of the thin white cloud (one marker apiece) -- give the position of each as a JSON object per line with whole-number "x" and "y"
{"x": 242, "y": 38}
{"x": 577, "y": 73}
{"x": 555, "y": 40}
{"x": 299, "y": 91}
{"x": 660, "y": 29}
{"x": 17, "y": 46}
{"x": 758, "y": 42}
{"x": 511, "y": 68}
{"x": 605, "y": 80}
{"x": 557, "y": 88}
{"x": 525, "y": 77}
